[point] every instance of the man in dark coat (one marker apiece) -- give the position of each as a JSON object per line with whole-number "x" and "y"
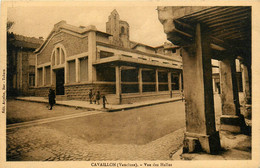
{"x": 51, "y": 98}
{"x": 90, "y": 94}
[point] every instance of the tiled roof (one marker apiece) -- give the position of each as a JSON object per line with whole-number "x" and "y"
{"x": 24, "y": 41}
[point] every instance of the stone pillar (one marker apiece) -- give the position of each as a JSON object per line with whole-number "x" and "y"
{"x": 180, "y": 82}
{"x": 56, "y": 57}
{"x": 91, "y": 56}
{"x": 53, "y": 78}
{"x": 246, "y": 87}
{"x": 77, "y": 70}
{"x": 36, "y": 72}
{"x": 140, "y": 80}
{"x": 213, "y": 86}
{"x": 66, "y": 72}
{"x": 118, "y": 82}
{"x": 231, "y": 118}
{"x": 170, "y": 83}
{"x": 43, "y": 76}
{"x": 201, "y": 134}
{"x": 156, "y": 81}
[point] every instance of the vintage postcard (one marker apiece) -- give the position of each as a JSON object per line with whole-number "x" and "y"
{"x": 129, "y": 84}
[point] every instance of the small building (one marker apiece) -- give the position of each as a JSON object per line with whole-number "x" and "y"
{"x": 72, "y": 60}
{"x": 21, "y": 64}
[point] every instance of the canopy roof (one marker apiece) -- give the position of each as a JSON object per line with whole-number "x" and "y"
{"x": 229, "y": 27}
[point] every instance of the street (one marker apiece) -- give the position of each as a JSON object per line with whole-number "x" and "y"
{"x": 148, "y": 133}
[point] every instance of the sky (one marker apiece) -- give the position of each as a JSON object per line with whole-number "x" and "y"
{"x": 39, "y": 21}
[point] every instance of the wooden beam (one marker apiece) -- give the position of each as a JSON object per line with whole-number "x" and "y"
{"x": 217, "y": 47}
{"x": 233, "y": 25}
{"x": 229, "y": 22}
{"x": 229, "y": 19}
{"x": 235, "y": 36}
{"x": 217, "y": 33}
{"x": 184, "y": 24}
{"x": 224, "y": 35}
{"x": 183, "y": 33}
{"x": 200, "y": 13}
{"x": 226, "y": 14}
{"x": 218, "y": 11}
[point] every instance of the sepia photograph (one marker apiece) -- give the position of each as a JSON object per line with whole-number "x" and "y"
{"x": 122, "y": 83}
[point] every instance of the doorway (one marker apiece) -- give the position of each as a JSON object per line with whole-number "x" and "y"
{"x": 60, "y": 81}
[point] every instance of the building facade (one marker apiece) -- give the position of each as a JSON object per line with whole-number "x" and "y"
{"x": 73, "y": 60}
{"x": 21, "y": 64}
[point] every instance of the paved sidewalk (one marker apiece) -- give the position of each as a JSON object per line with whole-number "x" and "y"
{"x": 109, "y": 107}
{"x": 234, "y": 147}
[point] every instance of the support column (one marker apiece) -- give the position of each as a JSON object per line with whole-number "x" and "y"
{"x": 66, "y": 72}
{"x": 180, "y": 82}
{"x": 170, "y": 83}
{"x": 156, "y": 81}
{"x": 53, "y": 78}
{"x": 140, "y": 80}
{"x": 245, "y": 81}
{"x": 201, "y": 134}
{"x": 36, "y": 72}
{"x": 56, "y": 57}
{"x": 214, "y": 87}
{"x": 77, "y": 70}
{"x": 118, "y": 83}
{"x": 43, "y": 76}
{"x": 231, "y": 118}
{"x": 91, "y": 56}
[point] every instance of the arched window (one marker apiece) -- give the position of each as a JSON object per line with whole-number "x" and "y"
{"x": 58, "y": 55}
{"x": 122, "y": 30}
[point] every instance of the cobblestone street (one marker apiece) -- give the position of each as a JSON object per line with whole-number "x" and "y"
{"x": 48, "y": 144}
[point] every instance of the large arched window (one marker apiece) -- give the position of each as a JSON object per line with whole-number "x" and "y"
{"x": 58, "y": 55}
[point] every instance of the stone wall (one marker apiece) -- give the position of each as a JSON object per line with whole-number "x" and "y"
{"x": 73, "y": 45}
{"x": 42, "y": 91}
{"x": 80, "y": 92}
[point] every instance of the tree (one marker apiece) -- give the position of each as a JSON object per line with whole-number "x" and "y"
{"x": 9, "y": 25}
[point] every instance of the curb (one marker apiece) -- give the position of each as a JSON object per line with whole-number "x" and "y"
{"x": 142, "y": 105}
{"x": 105, "y": 110}
{"x": 65, "y": 105}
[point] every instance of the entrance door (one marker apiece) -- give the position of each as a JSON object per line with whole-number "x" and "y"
{"x": 60, "y": 82}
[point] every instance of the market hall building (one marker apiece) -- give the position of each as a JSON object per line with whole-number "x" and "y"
{"x": 72, "y": 60}
{"x": 205, "y": 33}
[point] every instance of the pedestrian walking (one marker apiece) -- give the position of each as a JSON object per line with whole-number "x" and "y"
{"x": 51, "y": 96}
{"x": 90, "y": 94}
{"x": 182, "y": 96}
{"x": 97, "y": 97}
{"x": 104, "y": 101}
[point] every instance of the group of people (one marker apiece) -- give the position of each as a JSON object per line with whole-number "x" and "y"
{"x": 95, "y": 97}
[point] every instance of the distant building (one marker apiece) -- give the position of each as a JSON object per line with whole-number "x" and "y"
{"x": 72, "y": 60}
{"x": 216, "y": 77}
{"x": 21, "y": 64}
